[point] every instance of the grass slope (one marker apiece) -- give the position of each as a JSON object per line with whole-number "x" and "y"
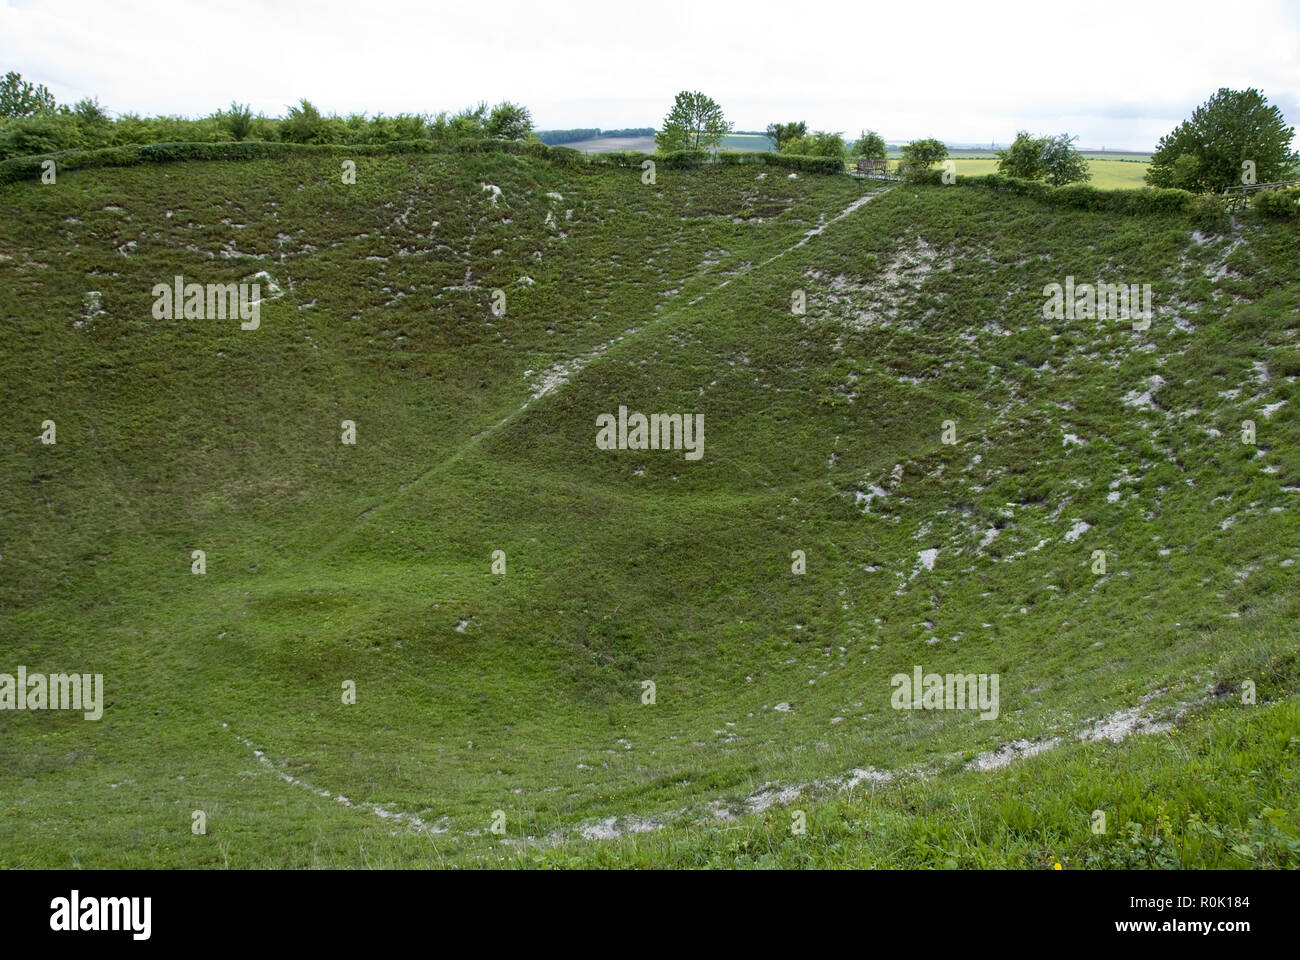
{"x": 522, "y": 693}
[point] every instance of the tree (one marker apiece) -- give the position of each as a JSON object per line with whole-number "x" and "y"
{"x": 18, "y": 98}
{"x": 695, "y": 122}
{"x": 780, "y": 133}
{"x": 870, "y": 146}
{"x": 467, "y": 123}
{"x": 920, "y": 155}
{"x": 509, "y": 121}
{"x": 304, "y": 124}
{"x": 239, "y": 120}
{"x": 1050, "y": 158}
{"x": 1024, "y": 158}
{"x": 817, "y": 144}
{"x": 90, "y": 111}
{"x": 1231, "y": 129}
{"x": 1062, "y": 163}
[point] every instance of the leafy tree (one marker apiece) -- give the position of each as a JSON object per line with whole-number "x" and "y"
{"x": 870, "y": 146}
{"x": 468, "y": 123}
{"x": 920, "y": 155}
{"x": 93, "y": 122}
{"x": 1232, "y": 127}
{"x": 89, "y": 110}
{"x": 509, "y": 121}
{"x": 238, "y": 120}
{"x": 817, "y": 144}
{"x": 1062, "y": 163}
{"x": 1052, "y": 158}
{"x": 18, "y": 98}
{"x": 410, "y": 126}
{"x": 695, "y": 122}
{"x": 780, "y": 133}
{"x": 1024, "y": 158}
{"x": 302, "y": 123}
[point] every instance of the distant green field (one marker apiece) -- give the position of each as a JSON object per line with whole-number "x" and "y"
{"x": 748, "y": 141}
{"x": 1106, "y": 174}
{"x": 895, "y": 152}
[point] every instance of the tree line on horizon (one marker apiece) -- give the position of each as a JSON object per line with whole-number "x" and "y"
{"x": 31, "y": 122}
{"x": 553, "y": 137}
{"x": 1232, "y": 133}
{"x": 1235, "y": 137}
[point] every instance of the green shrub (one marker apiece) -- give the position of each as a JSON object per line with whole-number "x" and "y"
{"x": 1285, "y": 362}
{"x": 509, "y": 121}
{"x": 918, "y": 157}
{"x": 921, "y": 175}
{"x": 40, "y": 134}
{"x": 567, "y": 156}
{"x": 1084, "y": 197}
{"x": 1080, "y": 196}
{"x": 819, "y": 143}
{"x": 1209, "y": 214}
{"x": 239, "y": 121}
{"x": 1024, "y": 158}
{"x": 796, "y": 162}
{"x": 681, "y": 159}
{"x": 1277, "y": 204}
{"x": 617, "y": 158}
{"x": 305, "y": 124}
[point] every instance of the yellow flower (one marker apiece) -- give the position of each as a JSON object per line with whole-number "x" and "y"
{"x": 1056, "y": 866}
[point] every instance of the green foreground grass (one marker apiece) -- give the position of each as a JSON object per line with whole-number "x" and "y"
{"x": 522, "y": 693}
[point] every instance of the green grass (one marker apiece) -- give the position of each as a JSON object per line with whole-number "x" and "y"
{"x": 1163, "y": 800}
{"x": 329, "y": 563}
{"x": 1106, "y": 174}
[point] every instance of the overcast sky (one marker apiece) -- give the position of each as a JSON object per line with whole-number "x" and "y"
{"x": 1118, "y": 74}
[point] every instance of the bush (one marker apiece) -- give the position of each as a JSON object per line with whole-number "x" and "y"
{"x": 921, "y": 175}
{"x": 1079, "y": 195}
{"x": 41, "y": 134}
{"x": 1024, "y": 158}
{"x": 681, "y": 159}
{"x": 569, "y": 157}
{"x": 1285, "y": 362}
{"x": 795, "y": 162}
{"x": 1277, "y": 204}
{"x": 617, "y": 158}
{"x": 819, "y": 143}
{"x": 1209, "y": 214}
{"x": 304, "y": 124}
{"x": 918, "y": 156}
{"x": 1145, "y": 200}
{"x": 509, "y": 121}
{"x": 239, "y": 121}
